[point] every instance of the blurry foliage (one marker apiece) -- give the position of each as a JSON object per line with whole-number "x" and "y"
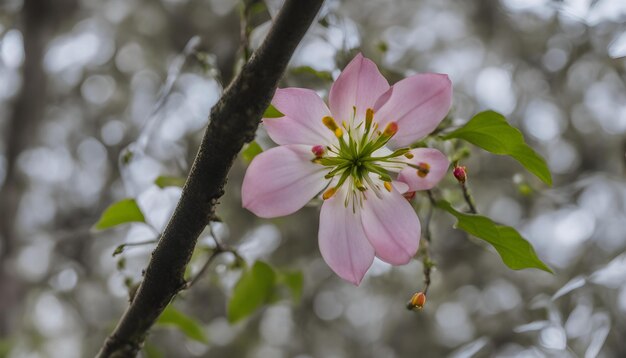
{"x": 189, "y": 326}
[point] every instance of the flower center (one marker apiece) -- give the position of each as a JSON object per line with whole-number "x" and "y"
{"x": 360, "y": 159}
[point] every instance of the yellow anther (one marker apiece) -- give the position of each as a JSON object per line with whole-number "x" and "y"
{"x": 344, "y": 124}
{"x": 329, "y": 193}
{"x": 369, "y": 117}
{"x": 330, "y": 123}
{"x": 391, "y": 129}
{"x": 423, "y": 170}
{"x": 408, "y": 155}
{"x": 388, "y": 186}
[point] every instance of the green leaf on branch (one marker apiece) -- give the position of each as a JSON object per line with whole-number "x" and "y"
{"x": 187, "y": 325}
{"x": 490, "y": 131}
{"x": 293, "y": 282}
{"x": 272, "y": 112}
{"x": 165, "y": 181}
{"x": 322, "y": 75}
{"x": 254, "y": 289}
{"x": 250, "y": 151}
{"x": 123, "y": 212}
{"x": 515, "y": 251}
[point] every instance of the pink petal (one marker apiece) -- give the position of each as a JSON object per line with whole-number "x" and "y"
{"x": 391, "y": 226}
{"x": 401, "y": 187}
{"x": 438, "y": 166}
{"x": 418, "y": 104}
{"x": 342, "y": 242}
{"x": 359, "y": 84}
{"x": 281, "y": 180}
{"x": 302, "y": 123}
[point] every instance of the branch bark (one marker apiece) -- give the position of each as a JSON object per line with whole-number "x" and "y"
{"x": 233, "y": 122}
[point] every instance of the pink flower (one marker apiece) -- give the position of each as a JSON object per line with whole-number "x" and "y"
{"x": 357, "y": 154}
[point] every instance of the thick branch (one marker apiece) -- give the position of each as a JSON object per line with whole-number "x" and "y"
{"x": 233, "y": 121}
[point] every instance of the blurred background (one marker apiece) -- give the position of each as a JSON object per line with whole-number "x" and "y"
{"x": 98, "y": 98}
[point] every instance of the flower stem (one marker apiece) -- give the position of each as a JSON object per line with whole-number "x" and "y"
{"x": 468, "y": 199}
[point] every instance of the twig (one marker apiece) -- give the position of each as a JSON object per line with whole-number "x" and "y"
{"x": 244, "y": 15}
{"x": 426, "y": 261}
{"x": 233, "y": 122}
{"x": 216, "y": 252}
{"x": 219, "y": 249}
{"x": 429, "y": 216}
{"x": 468, "y": 198}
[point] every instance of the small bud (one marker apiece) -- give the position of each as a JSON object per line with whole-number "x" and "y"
{"x": 388, "y": 186}
{"x": 329, "y": 193}
{"x": 423, "y": 170}
{"x": 391, "y": 129}
{"x": 409, "y": 195}
{"x": 417, "y": 301}
{"x": 460, "y": 173}
{"x": 318, "y": 150}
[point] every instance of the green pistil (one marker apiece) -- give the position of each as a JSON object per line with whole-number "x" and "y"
{"x": 353, "y": 156}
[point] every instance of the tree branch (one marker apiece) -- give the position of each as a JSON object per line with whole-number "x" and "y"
{"x": 233, "y": 121}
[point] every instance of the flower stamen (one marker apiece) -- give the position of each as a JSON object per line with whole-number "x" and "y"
{"x": 318, "y": 150}
{"x": 330, "y": 123}
{"x": 329, "y": 193}
{"x": 423, "y": 169}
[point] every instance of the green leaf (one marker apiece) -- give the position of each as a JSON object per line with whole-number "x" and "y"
{"x": 250, "y": 151}
{"x": 164, "y": 181}
{"x": 272, "y": 112}
{"x": 293, "y": 281}
{"x": 122, "y": 212}
{"x": 322, "y": 75}
{"x": 515, "y": 251}
{"x": 151, "y": 351}
{"x": 187, "y": 325}
{"x": 490, "y": 131}
{"x": 254, "y": 289}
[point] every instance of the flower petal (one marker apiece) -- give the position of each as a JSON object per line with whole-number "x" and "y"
{"x": 281, "y": 180}
{"x": 438, "y": 165}
{"x": 359, "y": 84}
{"x": 302, "y": 123}
{"x": 342, "y": 242}
{"x": 391, "y": 226}
{"x": 418, "y": 104}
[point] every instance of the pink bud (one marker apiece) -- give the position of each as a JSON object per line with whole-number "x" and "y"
{"x": 460, "y": 173}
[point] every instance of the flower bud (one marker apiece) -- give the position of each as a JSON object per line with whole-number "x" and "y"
{"x": 460, "y": 173}
{"x": 417, "y": 301}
